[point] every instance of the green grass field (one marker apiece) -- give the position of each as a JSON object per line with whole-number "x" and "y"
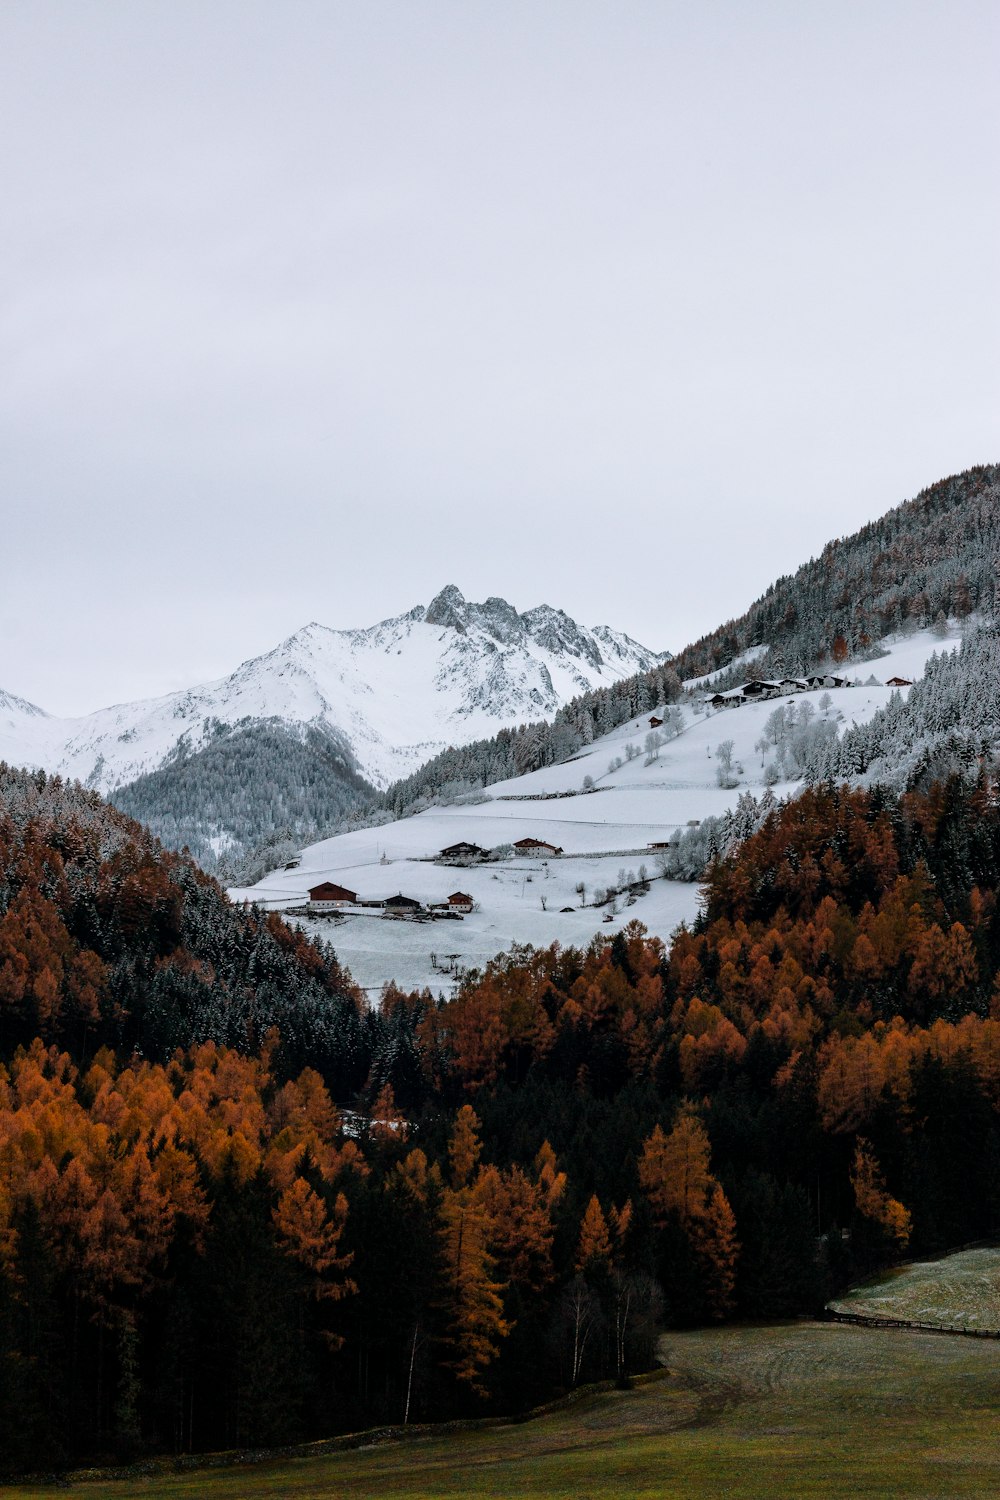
{"x": 794, "y": 1410}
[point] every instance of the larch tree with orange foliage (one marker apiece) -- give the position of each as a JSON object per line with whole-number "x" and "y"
{"x": 873, "y": 1200}
{"x": 675, "y": 1175}
{"x": 475, "y": 1314}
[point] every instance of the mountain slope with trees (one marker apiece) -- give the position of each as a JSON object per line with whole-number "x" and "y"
{"x": 932, "y": 558}
{"x": 937, "y": 554}
{"x": 200, "y": 1246}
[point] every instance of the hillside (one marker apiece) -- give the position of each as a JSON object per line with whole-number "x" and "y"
{"x": 638, "y": 799}
{"x": 392, "y": 694}
{"x": 936, "y": 554}
{"x": 108, "y": 939}
{"x": 930, "y": 560}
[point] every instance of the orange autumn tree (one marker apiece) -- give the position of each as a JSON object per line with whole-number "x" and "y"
{"x": 388, "y": 1124}
{"x": 551, "y": 1182}
{"x": 594, "y": 1245}
{"x": 519, "y": 1229}
{"x": 303, "y": 1120}
{"x": 474, "y": 1298}
{"x": 464, "y": 1146}
{"x": 310, "y": 1230}
{"x": 674, "y": 1171}
{"x": 872, "y": 1198}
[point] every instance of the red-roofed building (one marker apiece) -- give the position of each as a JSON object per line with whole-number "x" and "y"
{"x": 330, "y": 897}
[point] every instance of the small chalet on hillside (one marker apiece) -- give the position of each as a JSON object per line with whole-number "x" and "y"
{"x": 654, "y": 722}
{"x": 537, "y": 848}
{"x": 459, "y": 904}
{"x": 899, "y": 682}
{"x": 463, "y": 850}
{"x": 401, "y": 903}
{"x": 330, "y": 897}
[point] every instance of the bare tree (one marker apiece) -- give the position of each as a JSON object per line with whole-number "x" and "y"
{"x": 580, "y": 1312}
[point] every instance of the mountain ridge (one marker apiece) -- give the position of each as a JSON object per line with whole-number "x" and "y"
{"x": 390, "y": 695}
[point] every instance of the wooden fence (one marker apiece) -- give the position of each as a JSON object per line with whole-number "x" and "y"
{"x": 867, "y": 1320}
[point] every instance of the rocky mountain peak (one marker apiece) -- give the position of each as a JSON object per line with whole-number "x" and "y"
{"x": 447, "y": 608}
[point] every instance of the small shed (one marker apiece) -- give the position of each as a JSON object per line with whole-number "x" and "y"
{"x": 654, "y": 722}
{"x": 899, "y": 682}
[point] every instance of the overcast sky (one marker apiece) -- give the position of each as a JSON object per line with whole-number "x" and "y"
{"x": 307, "y": 309}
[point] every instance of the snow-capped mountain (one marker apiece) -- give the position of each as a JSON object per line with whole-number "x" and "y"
{"x": 390, "y": 696}
{"x": 14, "y": 710}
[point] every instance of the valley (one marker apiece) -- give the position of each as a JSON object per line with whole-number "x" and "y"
{"x": 607, "y": 837}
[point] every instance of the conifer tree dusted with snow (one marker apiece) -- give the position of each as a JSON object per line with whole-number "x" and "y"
{"x": 105, "y": 937}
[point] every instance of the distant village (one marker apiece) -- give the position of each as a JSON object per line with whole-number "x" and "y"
{"x": 758, "y": 690}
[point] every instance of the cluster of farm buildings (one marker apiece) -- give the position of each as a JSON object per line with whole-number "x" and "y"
{"x": 328, "y": 898}
{"x": 758, "y": 689}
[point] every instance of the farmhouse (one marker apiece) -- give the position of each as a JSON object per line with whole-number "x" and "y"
{"x": 536, "y": 847}
{"x": 463, "y": 850}
{"x": 330, "y": 897}
{"x": 724, "y": 700}
{"x": 899, "y": 682}
{"x": 459, "y": 901}
{"x": 759, "y": 689}
{"x": 401, "y": 903}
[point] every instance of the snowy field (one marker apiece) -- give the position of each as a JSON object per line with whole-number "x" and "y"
{"x": 959, "y": 1291}
{"x": 605, "y": 835}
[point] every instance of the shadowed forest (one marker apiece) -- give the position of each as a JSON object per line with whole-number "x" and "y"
{"x": 238, "y": 1206}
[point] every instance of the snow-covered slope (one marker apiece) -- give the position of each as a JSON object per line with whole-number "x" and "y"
{"x": 392, "y": 695}
{"x": 606, "y": 836}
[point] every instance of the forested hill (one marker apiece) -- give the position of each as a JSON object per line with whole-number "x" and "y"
{"x": 938, "y": 552}
{"x": 107, "y": 938}
{"x": 195, "y": 1254}
{"x": 934, "y": 556}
